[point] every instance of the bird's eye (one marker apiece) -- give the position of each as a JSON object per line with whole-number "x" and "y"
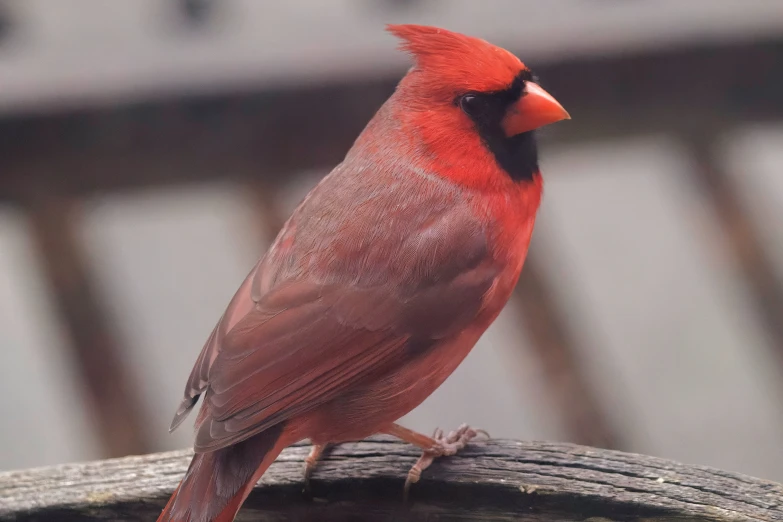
{"x": 469, "y": 104}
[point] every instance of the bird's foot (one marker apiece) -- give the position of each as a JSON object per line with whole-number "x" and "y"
{"x": 311, "y": 461}
{"x": 444, "y": 446}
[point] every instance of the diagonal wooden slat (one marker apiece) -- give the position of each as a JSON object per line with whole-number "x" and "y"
{"x": 95, "y": 346}
{"x": 739, "y": 232}
{"x": 556, "y": 351}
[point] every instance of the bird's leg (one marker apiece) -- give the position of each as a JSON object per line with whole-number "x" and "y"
{"x": 436, "y": 446}
{"x": 311, "y": 462}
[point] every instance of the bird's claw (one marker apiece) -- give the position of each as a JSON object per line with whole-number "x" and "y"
{"x": 311, "y": 461}
{"x": 445, "y": 446}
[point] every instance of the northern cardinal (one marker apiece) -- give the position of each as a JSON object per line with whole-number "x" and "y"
{"x": 381, "y": 281}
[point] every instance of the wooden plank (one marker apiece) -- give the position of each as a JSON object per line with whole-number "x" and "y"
{"x": 496, "y": 480}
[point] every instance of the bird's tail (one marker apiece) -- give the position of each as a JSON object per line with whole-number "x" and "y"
{"x": 217, "y": 483}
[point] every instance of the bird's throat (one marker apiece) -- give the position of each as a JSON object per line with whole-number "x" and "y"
{"x": 517, "y": 156}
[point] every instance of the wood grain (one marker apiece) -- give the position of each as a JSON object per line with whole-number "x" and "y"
{"x": 495, "y": 480}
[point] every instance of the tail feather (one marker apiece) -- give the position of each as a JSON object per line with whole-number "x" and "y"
{"x": 217, "y": 483}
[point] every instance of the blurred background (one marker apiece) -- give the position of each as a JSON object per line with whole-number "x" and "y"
{"x": 150, "y": 150}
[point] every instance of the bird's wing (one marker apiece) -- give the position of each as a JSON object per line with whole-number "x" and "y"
{"x": 239, "y": 306}
{"x": 345, "y": 295}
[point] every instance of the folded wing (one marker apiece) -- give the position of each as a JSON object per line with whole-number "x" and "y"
{"x": 341, "y": 298}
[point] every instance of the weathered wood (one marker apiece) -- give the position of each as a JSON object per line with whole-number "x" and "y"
{"x": 496, "y": 480}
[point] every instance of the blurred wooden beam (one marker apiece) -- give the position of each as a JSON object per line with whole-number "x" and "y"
{"x": 192, "y": 139}
{"x": 187, "y": 141}
{"x": 556, "y": 350}
{"x": 739, "y": 232}
{"x": 95, "y": 346}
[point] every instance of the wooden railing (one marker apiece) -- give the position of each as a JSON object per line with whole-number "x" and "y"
{"x": 496, "y": 480}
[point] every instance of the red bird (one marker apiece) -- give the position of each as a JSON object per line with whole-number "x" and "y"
{"x": 381, "y": 281}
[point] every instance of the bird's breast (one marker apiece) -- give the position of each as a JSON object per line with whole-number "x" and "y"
{"x": 511, "y": 217}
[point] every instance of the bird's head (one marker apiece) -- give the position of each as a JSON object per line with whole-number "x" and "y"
{"x": 473, "y": 102}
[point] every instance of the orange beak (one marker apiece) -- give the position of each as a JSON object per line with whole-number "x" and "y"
{"x": 533, "y": 110}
